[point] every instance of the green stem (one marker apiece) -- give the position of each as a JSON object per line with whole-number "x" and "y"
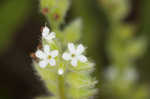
{"x": 61, "y": 88}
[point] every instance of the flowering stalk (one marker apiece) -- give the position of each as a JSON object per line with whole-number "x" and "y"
{"x": 123, "y": 49}
{"x": 61, "y": 62}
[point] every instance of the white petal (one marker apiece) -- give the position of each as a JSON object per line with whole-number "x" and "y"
{"x": 71, "y": 47}
{"x": 46, "y": 49}
{"x": 66, "y": 56}
{"x": 52, "y": 62}
{"x": 40, "y": 54}
{"x": 52, "y": 35}
{"x": 54, "y": 53}
{"x": 60, "y": 71}
{"x": 74, "y": 62}
{"x": 45, "y": 30}
{"x": 48, "y": 38}
{"x": 80, "y": 49}
{"x": 82, "y": 58}
{"x": 43, "y": 63}
{"x": 44, "y": 35}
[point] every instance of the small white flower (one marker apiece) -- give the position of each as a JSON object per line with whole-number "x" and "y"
{"x": 46, "y": 56}
{"x": 47, "y": 35}
{"x": 75, "y": 54}
{"x": 60, "y": 71}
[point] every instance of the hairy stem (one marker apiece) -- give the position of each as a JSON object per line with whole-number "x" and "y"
{"x": 61, "y": 87}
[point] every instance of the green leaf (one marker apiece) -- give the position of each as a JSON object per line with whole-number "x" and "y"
{"x": 71, "y": 32}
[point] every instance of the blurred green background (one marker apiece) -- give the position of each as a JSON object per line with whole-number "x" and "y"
{"x": 20, "y": 23}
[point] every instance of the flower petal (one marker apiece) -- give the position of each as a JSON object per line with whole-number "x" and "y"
{"x": 60, "y": 71}
{"x": 44, "y": 35}
{"x": 52, "y": 35}
{"x": 80, "y": 49}
{"x": 43, "y": 63}
{"x": 82, "y": 58}
{"x": 71, "y": 47}
{"x": 46, "y": 49}
{"x": 40, "y": 54}
{"x": 45, "y": 30}
{"x": 74, "y": 62}
{"x": 54, "y": 53}
{"x": 52, "y": 62}
{"x": 66, "y": 56}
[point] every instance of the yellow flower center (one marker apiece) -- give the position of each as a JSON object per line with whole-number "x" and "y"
{"x": 49, "y": 57}
{"x": 73, "y": 55}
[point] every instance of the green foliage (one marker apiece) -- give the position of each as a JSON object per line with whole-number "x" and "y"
{"x": 71, "y": 32}
{"x": 55, "y": 11}
{"x": 9, "y": 20}
{"x": 72, "y": 82}
{"x": 122, "y": 44}
{"x": 123, "y": 49}
{"x": 75, "y": 83}
{"x": 81, "y": 83}
{"x": 116, "y": 9}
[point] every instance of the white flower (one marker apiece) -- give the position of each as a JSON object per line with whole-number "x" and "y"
{"x": 60, "y": 71}
{"x": 75, "y": 54}
{"x": 46, "y": 56}
{"x": 47, "y": 35}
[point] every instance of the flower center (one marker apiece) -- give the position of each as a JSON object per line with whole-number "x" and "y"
{"x": 73, "y": 55}
{"x": 49, "y": 57}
